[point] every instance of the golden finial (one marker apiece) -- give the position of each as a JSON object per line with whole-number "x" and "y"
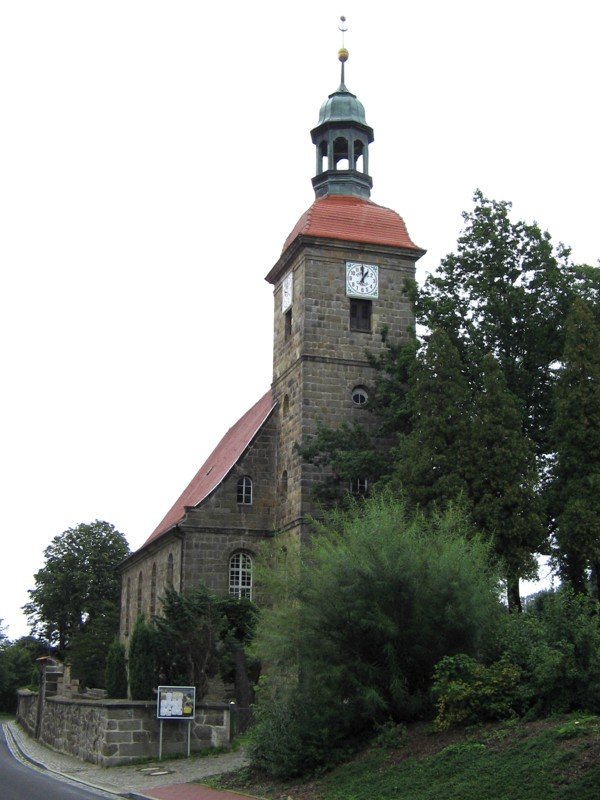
{"x": 342, "y": 52}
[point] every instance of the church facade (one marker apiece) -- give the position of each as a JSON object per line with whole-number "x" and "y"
{"x": 338, "y": 286}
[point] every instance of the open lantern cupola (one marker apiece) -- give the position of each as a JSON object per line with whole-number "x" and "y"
{"x": 342, "y": 138}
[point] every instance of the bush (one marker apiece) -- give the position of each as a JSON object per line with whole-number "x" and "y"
{"x": 116, "y": 671}
{"x": 467, "y": 691}
{"x": 557, "y": 645}
{"x": 359, "y": 625}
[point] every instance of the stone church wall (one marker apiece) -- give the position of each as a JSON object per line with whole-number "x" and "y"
{"x": 144, "y": 596}
{"x": 221, "y": 526}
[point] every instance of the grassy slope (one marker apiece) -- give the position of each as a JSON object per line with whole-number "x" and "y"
{"x": 549, "y": 760}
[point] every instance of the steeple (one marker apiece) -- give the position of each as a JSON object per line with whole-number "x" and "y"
{"x": 342, "y": 138}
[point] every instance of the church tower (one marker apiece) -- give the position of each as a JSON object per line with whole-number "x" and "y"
{"x": 338, "y": 285}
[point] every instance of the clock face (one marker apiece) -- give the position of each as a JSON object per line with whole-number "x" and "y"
{"x": 362, "y": 280}
{"x": 286, "y": 292}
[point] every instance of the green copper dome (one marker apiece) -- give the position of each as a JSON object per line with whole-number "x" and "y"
{"x": 342, "y": 106}
{"x": 342, "y": 138}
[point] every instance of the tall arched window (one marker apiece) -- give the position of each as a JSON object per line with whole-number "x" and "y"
{"x": 153, "y": 591}
{"x": 240, "y": 575}
{"x": 244, "y": 491}
{"x": 139, "y": 595}
{"x": 170, "y": 571}
{"x": 127, "y": 606}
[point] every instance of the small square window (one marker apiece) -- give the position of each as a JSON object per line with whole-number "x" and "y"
{"x": 360, "y": 315}
{"x": 358, "y": 487}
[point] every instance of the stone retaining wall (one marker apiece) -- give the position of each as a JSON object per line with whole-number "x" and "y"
{"x": 112, "y": 732}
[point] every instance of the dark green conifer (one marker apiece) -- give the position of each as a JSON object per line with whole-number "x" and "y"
{"x": 502, "y": 480}
{"x": 116, "y": 671}
{"x": 575, "y": 492}
{"x": 142, "y": 661}
{"x": 431, "y": 459}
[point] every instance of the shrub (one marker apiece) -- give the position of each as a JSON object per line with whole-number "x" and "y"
{"x": 359, "y": 625}
{"x": 188, "y": 636}
{"x": 116, "y": 671}
{"x": 557, "y": 645}
{"x": 467, "y": 691}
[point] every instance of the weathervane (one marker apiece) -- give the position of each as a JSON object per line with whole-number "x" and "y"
{"x": 342, "y": 52}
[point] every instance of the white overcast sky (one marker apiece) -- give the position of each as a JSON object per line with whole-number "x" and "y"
{"x": 153, "y": 158}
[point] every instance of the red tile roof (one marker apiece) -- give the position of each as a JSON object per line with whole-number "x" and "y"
{"x": 218, "y": 465}
{"x": 353, "y": 219}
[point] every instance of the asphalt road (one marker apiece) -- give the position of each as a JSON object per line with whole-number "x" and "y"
{"x": 20, "y": 780}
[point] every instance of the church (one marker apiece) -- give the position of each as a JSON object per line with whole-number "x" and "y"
{"x": 337, "y": 286}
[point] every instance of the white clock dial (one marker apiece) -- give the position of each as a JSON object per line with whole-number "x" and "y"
{"x": 286, "y": 292}
{"x": 362, "y": 280}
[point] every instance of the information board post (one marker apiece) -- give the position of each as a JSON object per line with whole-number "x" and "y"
{"x": 177, "y": 703}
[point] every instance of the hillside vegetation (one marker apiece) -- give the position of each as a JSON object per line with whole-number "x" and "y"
{"x": 553, "y": 759}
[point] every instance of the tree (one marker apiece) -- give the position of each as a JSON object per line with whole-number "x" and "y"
{"x": 17, "y": 665}
{"x": 501, "y": 481}
{"x": 116, "y": 671}
{"x": 89, "y": 645}
{"x": 78, "y": 579}
{"x": 575, "y": 490}
{"x": 142, "y": 661}
{"x": 507, "y": 291}
{"x": 240, "y": 615}
{"x": 188, "y": 637}
{"x": 356, "y": 630}
{"x": 430, "y": 462}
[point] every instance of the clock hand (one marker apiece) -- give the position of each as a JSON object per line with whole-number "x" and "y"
{"x": 363, "y": 274}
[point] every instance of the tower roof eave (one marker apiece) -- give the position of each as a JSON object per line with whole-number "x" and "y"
{"x": 350, "y": 219}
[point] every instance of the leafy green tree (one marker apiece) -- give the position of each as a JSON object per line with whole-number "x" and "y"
{"x": 188, "y": 637}
{"x": 142, "y": 661}
{"x": 502, "y": 479}
{"x": 116, "y": 671}
{"x": 17, "y": 664}
{"x": 79, "y": 577}
{"x": 506, "y": 291}
{"x": 89, "y": 645}
{"x": 431, "y": 461}
{"x": 356, "y": 628}
{"x": 556, "y": 644}
{"x": 575, "y": 491}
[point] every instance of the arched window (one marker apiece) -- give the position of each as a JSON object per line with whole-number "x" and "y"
{"x": 127, "y": 606}
{"x": 240, "y": 575}
{"x": 139, "y": 595}
{"x": 340, "y": 153}
{"x": 153, "y": 591}
{"x": 170, "y": 571}
{"x": 284, "y": 482}
{"x": 358, "y": 156}
{"x": 244, "y": 491}
{"x": 322, "y": 162}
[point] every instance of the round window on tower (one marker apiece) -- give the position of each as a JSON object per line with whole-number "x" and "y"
{"x": 359, "y": 396}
